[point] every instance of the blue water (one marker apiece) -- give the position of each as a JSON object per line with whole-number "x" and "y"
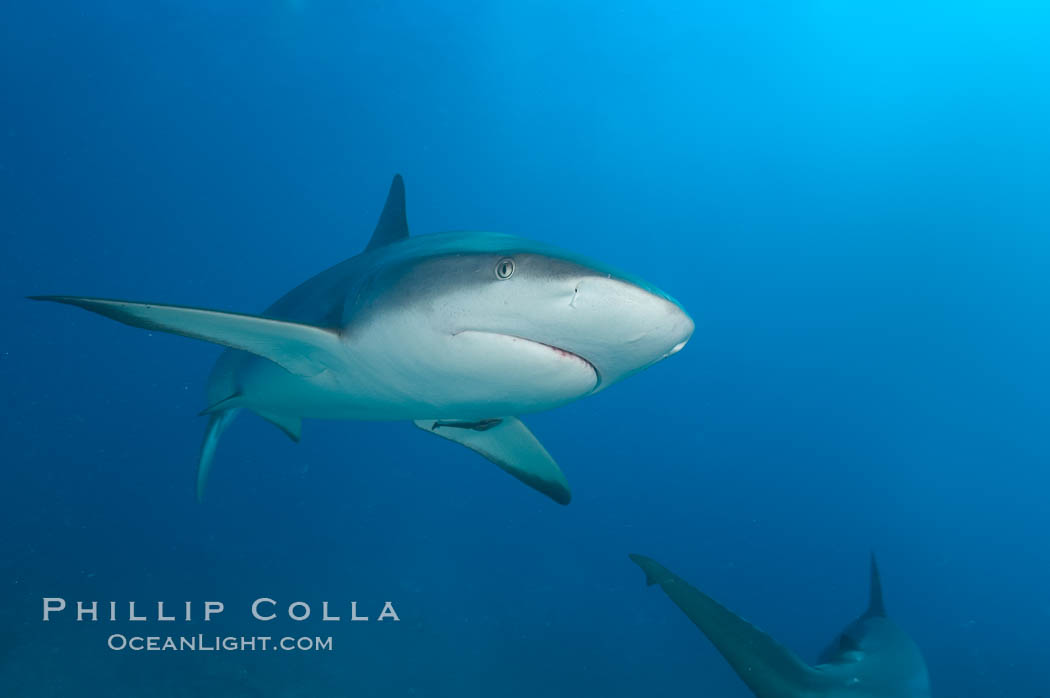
{"x": 851, "y": 202}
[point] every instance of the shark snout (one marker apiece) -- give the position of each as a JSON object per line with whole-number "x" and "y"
{"x": 677, "y": 347}
{"x": 635, "y": 313}
{"x": 682, "y": 329}
{"x": 636, "y": 326}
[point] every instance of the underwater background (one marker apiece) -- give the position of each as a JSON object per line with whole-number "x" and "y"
{"x": 850, "y": 199}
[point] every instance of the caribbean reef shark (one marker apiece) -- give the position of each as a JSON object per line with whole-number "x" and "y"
{"x": 457, "y": 332}
{"x": 871, "y": 658}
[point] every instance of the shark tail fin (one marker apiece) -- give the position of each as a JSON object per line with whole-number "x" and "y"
{"x": 769, "y": 669}
{"x": 304, "y": 350}
{"x": 217, "y": 424}
{"x": 876, "y": 606}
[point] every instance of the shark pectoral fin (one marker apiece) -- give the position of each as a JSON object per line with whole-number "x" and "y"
{"x": 216, "y": 426}
{"x": 509, "y": 444}
{"x": 768, "y": 668}
{"x": 303, "y": 350}
{"x": 655, "y": 573}
{"x": 292, "y": 426}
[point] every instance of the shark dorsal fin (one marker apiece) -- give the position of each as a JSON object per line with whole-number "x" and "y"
{"x": 393, "y": 223}
{"x": 875, "y": 604}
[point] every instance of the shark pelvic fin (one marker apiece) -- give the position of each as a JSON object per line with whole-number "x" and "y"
{"x": 216, "y": 426}
{"x": 876, "y": 607}
{"x": 393, "y": 221}
{"x": 292, "y": 426}
{"x": 222, "y": 405}
{"x": 509, "y": 444}
{"x": 769, "y": 669}
{"x": 303, "y": 350}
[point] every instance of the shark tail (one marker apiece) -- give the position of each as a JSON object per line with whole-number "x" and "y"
{"x": 768, "y": 668}
{"x": 220, "y": 415}
{"x": 217, "y": 424}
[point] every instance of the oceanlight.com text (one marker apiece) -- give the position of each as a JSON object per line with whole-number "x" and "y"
{"x": 215, "y": 643}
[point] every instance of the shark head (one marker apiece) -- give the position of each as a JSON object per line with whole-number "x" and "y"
{"x": 535, "y": 300}
{"x": 875, "y": 652}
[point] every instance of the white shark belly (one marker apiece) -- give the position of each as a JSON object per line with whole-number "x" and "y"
{"x": 467, "y": 375}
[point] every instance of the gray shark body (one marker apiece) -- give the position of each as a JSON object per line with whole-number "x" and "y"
{"x": 457, "y": 332}
{"x": 871, "y": 658}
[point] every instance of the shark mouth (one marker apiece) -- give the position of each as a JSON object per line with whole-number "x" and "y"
{"x": 557, "y": 351}
{"x": 567, "y": 354}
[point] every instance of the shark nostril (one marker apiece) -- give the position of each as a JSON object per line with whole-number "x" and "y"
{"x": 576, "y": 292}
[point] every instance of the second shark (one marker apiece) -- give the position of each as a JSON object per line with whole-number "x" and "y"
{"x": 871, "y": 658}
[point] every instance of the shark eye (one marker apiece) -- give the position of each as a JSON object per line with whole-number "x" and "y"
{"x": 505, "y": 268}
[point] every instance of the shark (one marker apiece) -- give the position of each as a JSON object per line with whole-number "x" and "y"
{"x": 871, "y": 658}
{"x": 460, "y": 333}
